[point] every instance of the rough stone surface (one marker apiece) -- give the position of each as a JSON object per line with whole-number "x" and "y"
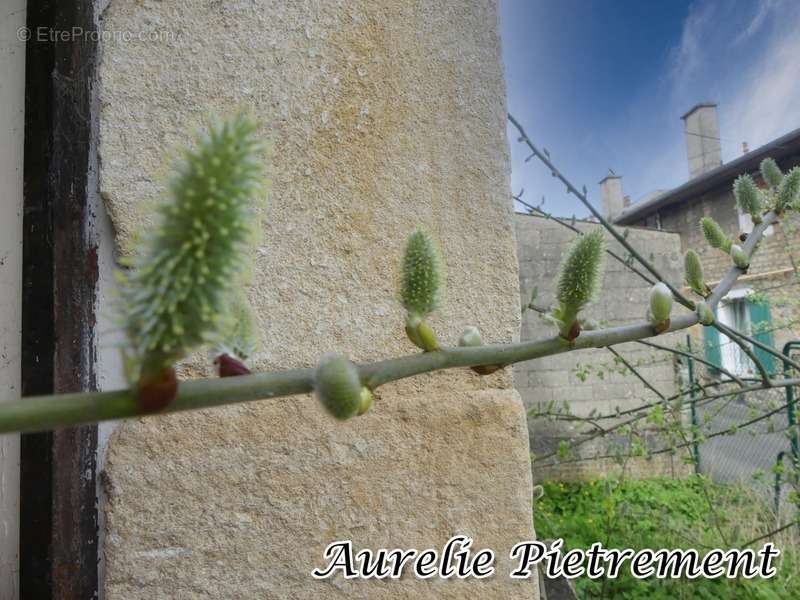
{"x": 382, "y": 116}
{"x": 241, "y": 503}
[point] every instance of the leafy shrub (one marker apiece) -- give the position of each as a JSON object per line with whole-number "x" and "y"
{"x": 665, "y": 513}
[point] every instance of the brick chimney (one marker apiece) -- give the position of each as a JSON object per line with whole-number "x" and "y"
{"x": 703, "y": 147}
{"x": 613, "y": 200}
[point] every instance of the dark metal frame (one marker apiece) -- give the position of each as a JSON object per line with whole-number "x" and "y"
{"x": 58, "y": 514}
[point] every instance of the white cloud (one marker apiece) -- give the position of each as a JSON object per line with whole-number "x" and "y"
{"x": 745, "y": 58}
{"x": 767, "y": 103}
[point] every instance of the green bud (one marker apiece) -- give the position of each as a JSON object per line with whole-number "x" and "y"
{"x": 704, "y": 313}
{"x": 338, "y": 386}
{"x": 177, "y": 289}
{"x": 789, "y": 191}
{"x": 748, "y": 197}
{"x": 771, "y": 172}
{"x": 366, "y": 399}
{"x": 422, "y": 279}
{"x": 739, "y": 257}
{"x": 421, "y": 334}
{"x": 693, "y": 273}
{"x": 660, "y": 304}
{"x": 714, "y": 235}
{"x": 470, "y": 337}
{"x": 579, "y": 279}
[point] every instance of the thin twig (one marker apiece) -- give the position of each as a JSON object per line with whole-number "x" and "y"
{"x": 636, "y": 373}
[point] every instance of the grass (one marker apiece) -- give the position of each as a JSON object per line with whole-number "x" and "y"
{"x": 666, "y": 513}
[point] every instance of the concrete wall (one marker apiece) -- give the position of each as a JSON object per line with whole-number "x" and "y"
{"x": 607, "y": 385}
{"x": 12, "y": 127}
{"x": 383, "y": 115}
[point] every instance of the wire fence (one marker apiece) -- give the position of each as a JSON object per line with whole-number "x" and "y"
{"x": 762, "y": 454}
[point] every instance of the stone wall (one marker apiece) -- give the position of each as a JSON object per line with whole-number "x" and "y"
{"x": 591, "y": 380}
{"x": 382, "y": 116}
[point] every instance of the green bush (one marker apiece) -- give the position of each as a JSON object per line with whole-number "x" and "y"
{"x": 665, "y": 513}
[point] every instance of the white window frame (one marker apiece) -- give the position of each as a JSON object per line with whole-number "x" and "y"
{"x": 732, "y": 357}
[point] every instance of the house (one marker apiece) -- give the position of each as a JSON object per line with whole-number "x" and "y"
{"x": 763, "y": 301}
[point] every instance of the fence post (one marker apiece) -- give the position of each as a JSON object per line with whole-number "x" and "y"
{"x": 693, "y": 407}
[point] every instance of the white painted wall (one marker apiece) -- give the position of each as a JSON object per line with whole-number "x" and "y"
{"x": 12, "y": 127}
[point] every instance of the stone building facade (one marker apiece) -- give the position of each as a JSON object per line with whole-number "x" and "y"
{"x": 763, "y": 302}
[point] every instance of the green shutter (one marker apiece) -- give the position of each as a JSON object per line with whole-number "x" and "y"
{"x": 711, "y": 344}
{"x": 761, "y": 324}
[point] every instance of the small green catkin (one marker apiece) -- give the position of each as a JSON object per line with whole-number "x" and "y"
{"x": 748, "y": 197}
{"x": 693, "y": 273}
{"x": 771, "y": 172}
{"x": 239, "y": 335}
{"x": 788, "y": 191}
{"x": 175, "y": 297}
{"x": 422, "y": 282}
{"x": 338, "y": 387}
{"x": 579, "y": 278}
{"x": 714, "y": 235}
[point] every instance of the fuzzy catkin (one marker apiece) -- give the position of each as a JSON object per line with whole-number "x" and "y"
{"x": 175, "y": 296}
{"x": 693, "y": 273}
{"x": 714, "y": 235}
{"x": 788, "y": 191}
{"x": 771, "y": 172}
{"x": 422, "y": 283}
{"x": 748, "y": 196}
{"x": 579, "y": 275}
{"x": 239, "y": 335}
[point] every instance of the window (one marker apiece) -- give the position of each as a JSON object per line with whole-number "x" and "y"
{"x": 742, "y": 311}
{"x": 735, "y": 314}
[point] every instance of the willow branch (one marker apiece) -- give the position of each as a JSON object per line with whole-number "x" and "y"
{"x": 48, "y": 412}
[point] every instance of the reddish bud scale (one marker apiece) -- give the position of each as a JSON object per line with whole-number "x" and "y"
{"x": 662, "y": 327}
{"x": 230, "y": 366}
{"x": 157, "y": 391}
{"x": 486, "y": 369}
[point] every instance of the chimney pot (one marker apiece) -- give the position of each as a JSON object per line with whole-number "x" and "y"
{"x": 613, "y": 202}
{"x": 703, "y": 147}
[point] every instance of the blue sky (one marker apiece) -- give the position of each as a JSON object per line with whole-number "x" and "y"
{"x": 603, "y": 83}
